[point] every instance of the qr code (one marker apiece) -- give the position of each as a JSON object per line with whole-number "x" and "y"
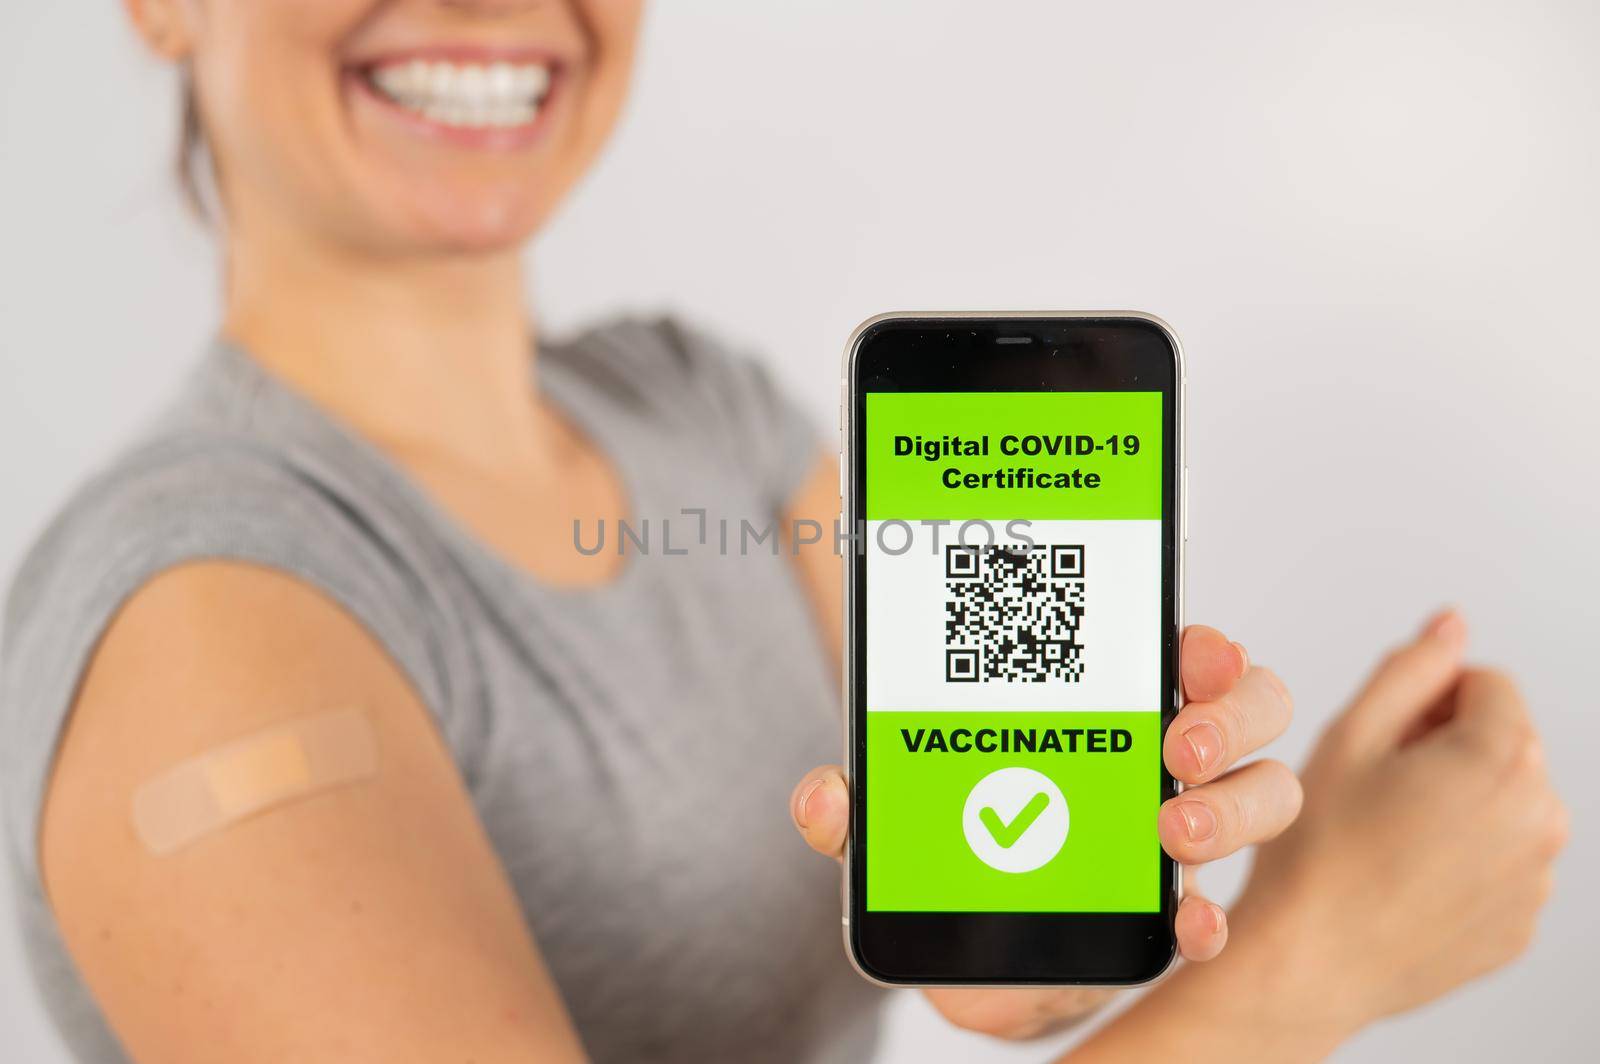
{"x": 1013, "y": 613}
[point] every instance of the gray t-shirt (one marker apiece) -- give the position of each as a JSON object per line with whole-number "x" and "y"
{"x": 629, "y": 748}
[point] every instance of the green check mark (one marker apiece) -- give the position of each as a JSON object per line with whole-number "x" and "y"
{"x": 1007, "y": 834}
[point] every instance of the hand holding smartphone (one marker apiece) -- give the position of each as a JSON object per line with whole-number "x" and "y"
{"x": 1015, "y": 482}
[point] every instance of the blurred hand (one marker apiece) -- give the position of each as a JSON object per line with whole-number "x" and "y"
{"x": 1424, "y": 852}
{"x": 1231, "y": 711}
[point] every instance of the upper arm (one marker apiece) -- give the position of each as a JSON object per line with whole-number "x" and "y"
{"x": 367, "y": 921}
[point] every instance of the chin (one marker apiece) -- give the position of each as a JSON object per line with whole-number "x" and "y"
{"x": 467, "y": 148}
{"x": 471, "y": 221}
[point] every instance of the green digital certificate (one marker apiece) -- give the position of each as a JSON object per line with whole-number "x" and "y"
{"x": 1014, "y": 626}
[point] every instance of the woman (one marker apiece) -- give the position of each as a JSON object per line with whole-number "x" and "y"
{"x": 572, "y": 843}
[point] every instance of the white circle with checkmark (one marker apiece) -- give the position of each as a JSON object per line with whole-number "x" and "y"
{"x": 1015, "y": 820}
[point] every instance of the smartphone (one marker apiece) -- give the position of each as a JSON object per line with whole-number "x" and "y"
{"x": 1013, "y": 495}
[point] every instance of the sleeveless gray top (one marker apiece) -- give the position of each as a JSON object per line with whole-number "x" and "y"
{"x": 629, "y": 748}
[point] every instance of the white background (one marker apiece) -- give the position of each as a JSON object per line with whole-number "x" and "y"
{"x": 906, "y": 595}
{"x": 1372, "y": 221}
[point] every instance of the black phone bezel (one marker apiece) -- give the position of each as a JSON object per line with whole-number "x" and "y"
{"x": 1099, "y": 352}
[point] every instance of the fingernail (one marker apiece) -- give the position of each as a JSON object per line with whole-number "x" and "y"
{"x": 1244, "y": 659}
{"x": 800, "y": 806}
{"x": 1198, "y": 820}
{"x": 1205, "y": 741}
{"x": 1218, "y": 917}
{"x": 1448, "y": 627}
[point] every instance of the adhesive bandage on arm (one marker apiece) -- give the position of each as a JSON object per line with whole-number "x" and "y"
{"x": 247, "y": 776}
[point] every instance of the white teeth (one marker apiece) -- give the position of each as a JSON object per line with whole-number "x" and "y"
{"x": 474, "y": 83}
{"x": 502, "y": 80}
{"x": 530, "y": 80}
{"x": 469, "y": 95}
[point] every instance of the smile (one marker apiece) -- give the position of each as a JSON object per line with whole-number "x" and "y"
{"x": 466, "y": 96}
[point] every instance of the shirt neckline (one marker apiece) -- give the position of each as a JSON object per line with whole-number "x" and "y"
{"x": 562, "y": 387}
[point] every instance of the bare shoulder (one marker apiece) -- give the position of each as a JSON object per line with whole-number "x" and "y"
{"x": 336, "y": 897}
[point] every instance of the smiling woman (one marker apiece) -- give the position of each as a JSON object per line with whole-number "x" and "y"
{"x": 557, "y": 831}
{"x": 364, "y": 500}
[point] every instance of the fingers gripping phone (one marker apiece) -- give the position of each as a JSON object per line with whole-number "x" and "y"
{"x": 1013, "y": 483}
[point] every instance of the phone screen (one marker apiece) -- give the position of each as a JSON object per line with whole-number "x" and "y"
{"x": 1016, "y": 616}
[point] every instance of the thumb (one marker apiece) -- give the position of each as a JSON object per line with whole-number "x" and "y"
{"x": 1407, "y": 685}
{"x": 820, "y": 806}
{"x": 1491, "y": 716}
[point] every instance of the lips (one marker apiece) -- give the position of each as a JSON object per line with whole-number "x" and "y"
{"x": 476, "y": 101}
